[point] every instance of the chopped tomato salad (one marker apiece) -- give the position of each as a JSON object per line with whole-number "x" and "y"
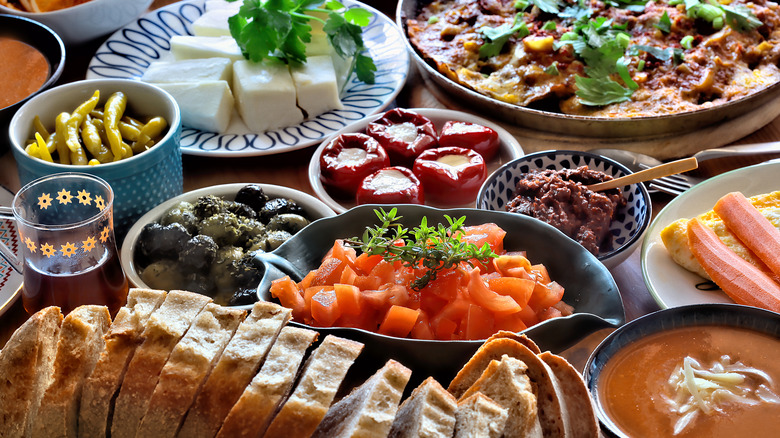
{"x": 466, "y": 302}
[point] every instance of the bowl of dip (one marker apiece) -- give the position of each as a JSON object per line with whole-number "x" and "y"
{"x": 705, "y": 370}
{"x": 549, "y": 186}
{"x": 33, "y": 57}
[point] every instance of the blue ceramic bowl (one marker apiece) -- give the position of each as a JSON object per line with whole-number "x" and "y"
{"x": 139, "y": 182}
{"x": 47, "y": 42}
{"x": 630, "y": 223}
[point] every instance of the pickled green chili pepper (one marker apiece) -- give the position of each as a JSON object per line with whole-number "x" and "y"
{"x": 74, "y": 123}
{"x": 61, "y": 134}
{"x": 112, "y": 113}
{"x": 153, "y": 128}
{"x": 92, "y": 141}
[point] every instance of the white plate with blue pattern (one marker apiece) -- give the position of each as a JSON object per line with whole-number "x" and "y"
{"x": 10, "y": 280}
{"x": 128, "y": 53}
{"x": 630, "y": 222}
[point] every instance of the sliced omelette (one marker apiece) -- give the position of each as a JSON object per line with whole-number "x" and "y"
{"x": 675, "y": 235}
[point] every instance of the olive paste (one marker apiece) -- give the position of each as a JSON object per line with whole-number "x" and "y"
{"x": 561, "y": 198}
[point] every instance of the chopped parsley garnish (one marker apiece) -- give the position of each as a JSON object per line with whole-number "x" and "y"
{"x": 498, "y": 36}
{"x": 738, "y": 17}
{"x": 664, "y": 23}
{"x": 279, "y": 29}
{"x": 552, "y": 69}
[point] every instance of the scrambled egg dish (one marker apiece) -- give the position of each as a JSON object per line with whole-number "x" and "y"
{"x": 611, "y": 58}
{"x": 675, "y": 235}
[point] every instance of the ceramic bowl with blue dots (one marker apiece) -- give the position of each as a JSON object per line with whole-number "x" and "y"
{"x": 140, "y": 182}
{"x": 627, "y": 228}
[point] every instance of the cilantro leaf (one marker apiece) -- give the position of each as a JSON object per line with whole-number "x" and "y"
{"x": 740, "y": 18}
{"x": 549, "y": 6}
{"x": 498, "y": 36}
{"x": 601, "y": 91}
{"x": 658, "y": 53}
{"x": 664, "y": 23}
{"x": 629, "y": 5}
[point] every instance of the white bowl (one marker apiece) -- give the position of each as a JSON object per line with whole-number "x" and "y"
{"x": 87, "y": 21}
{"x": 509, "y": 150}
{"x": 313, "y": 207}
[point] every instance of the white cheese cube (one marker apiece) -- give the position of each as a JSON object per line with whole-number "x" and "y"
{"x": 212, "y": 5}
{"x": 316, "y": 86}
{"x": 190, "y": 70}
{"x": 265, "y": 95}
{"x": 213, "y": 23}
{"x": 193, "y": 47}
{"x": 205, "y": 105}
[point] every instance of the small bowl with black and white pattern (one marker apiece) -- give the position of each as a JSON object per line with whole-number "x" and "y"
{"x": 626, "y": 228}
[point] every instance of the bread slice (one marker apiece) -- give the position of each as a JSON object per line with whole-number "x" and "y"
{"x": 321, "y": 378}
{"x": 575, "y": 397}
{"x": 506, "y": 382}
{"x": 493, "y": 349}
{"x": 184, "y": 374}
{"x": 478, "y": 416}
{"x": 238, "y": 364}
{"x": 78, "y": 348}
{"x": 122, "y": 338}
{"x": 163, "y": 331}
{"x": 26, "y": 364}
{"x": 369, "y": 409}
{"x": 254, "y": 410}
{"x": 429, "y": 412}
{"x": 523, "y": 339}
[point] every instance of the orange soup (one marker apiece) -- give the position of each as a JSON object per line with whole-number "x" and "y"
{"x": 637, "y": 386}
{"x": 23, "y": 71}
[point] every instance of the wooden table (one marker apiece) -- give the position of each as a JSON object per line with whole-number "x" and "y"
{"x": 290, "y": 169}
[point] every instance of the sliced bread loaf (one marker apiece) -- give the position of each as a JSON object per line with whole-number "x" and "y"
{"x": 254, "y": 410}
{"x": 321, "y": 378}
{"x": 26, "y": 365}
{"x": 369, "y": 410}
{"x": 429, "y": 412}
{"x": 190, "y": 363}
{"x": 478, "y": 416}
{"x": 122, "y": 338}
{"x": 163, "y": 331}
{"x": 78, "y": 348}
{"x": 506, "y": 382}
{"x": 575, "y": 397}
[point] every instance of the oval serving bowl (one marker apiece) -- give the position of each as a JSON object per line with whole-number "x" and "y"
{"x": 508, "y": 150}
{"x": 628, "y": 227}
{"x": 589, "y": 286}
{"x": 313, "y": 207}
{"x": 729, "y": 315}
{"x": 631, "y": 128}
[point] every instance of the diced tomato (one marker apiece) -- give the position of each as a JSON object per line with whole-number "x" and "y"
{"x": 325, "y": 307}
{"x": 545, "y": 295}
{"x": 364, "y": 263}
{"x": 528, "y": 315}
{"x": 397, "y": 294}
{"x": 541, "y": 273}
{"x": 512, "y": 323}
{"x": 288, "y": 294}
{"x": 549, "y": 313}
{"x": 444, "y": 328}
{"x": 478, "y": 323}
{"x": 446, "y": 285}
{"x": 349, "y": 298}
{"x": 489, "y": 233}
{"x": 512, "y": 266}
{"x": 376, "y": 298}
{"x": 483, "y": 296}
{"x": 348, "y": 276}
{"x": 308, "y": 293}
{"x": 384, "y": 271}
{"x": 329, "y": 272}
{"x": 520, "y": 289}
{"x": 344, "y": 253}
{"x": 399, "y": 321}
{"x": 422, "y": 328}
{"x": 307, "y": 280}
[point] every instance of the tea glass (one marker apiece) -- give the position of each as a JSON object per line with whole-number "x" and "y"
{"x": 69, "y": 251}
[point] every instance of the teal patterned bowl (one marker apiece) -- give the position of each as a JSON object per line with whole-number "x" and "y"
{"x": 140, "y": 182}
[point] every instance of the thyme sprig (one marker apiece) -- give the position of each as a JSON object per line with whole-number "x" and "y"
{"x": 434, "y": 248}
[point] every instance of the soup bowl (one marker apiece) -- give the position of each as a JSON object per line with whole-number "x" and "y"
{"x": 635, "y": 375}
{"x": 588, "y": 285}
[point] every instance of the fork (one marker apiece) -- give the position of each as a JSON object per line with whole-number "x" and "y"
{"x": 673, "y": 185}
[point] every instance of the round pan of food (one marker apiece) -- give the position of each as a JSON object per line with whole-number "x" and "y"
{"x": 203, "y": 240}
{"x": 690, "y": 371}
{"x": 599, "y": 69}
{"x": 424, "y": 156}
{"x": 426, "y": 286}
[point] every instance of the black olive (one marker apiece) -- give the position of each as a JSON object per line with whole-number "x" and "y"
{"x": 240, "y": 209}
{"x": 198, "y": 253}
{"x": 253, "y": 196}
{"x": 207, "y": 206}
{"x": 279, "y": 206}
{"x": 162, "y": 242}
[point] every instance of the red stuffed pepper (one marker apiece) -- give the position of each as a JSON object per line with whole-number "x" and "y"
{"x": 348, "y": 159}
{"x": 391, "y": 185}
{"x": 450, "y": 176}
{"x": 403, "y": 134}
{"x": 470, "y": 136}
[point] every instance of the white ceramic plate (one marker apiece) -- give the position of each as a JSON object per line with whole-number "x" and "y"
{"x": 672, "y": 285}
{"x": 10, "y": 280}
{"x": 509, "y": 150}
{"x": 128, "y": 52}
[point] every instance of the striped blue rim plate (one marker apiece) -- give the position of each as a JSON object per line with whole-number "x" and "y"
{"x": 129, "y": 51}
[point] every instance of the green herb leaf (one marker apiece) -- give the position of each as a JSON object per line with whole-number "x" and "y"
{"x": 664, "y": 23}
{"x": 600, "y": 91}
{"x": 498, "y": 36}
{"x": 552, "y": 69}
{"x": 549, "y": 6}
{"x": 434, "y": 248}
{"x": 740, "y": 18}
